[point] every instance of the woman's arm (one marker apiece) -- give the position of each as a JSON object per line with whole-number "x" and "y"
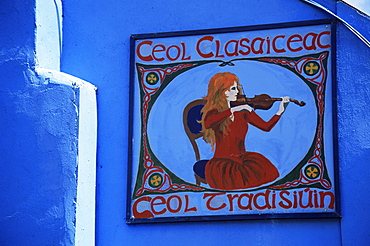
{"x": 214, "y": 118}
{"x": 243, "y": 107}
{"x": 258, "y": 122}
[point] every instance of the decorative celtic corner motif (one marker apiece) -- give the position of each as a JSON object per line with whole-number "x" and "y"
{"x": 155, "y": 178}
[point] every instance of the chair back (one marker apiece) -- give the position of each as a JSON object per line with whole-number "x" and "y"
{"x": 191, "y": 117}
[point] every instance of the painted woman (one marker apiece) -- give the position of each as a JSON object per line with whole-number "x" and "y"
{"x": 225, "y": 128}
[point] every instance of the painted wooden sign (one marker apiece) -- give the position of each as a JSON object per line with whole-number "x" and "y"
{"x": 233, "y": 124}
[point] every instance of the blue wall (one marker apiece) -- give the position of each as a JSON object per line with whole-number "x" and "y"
{"x": 96, "y": 48}
{"x": 353, "y": 72}
{"x": 38, "y": 150}
{"x": 39, "y": 120}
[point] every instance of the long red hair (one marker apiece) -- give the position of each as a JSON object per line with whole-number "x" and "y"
{"x": 216, "y": 100}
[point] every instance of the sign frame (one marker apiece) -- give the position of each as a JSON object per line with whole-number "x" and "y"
{"x": 148, "y": 198}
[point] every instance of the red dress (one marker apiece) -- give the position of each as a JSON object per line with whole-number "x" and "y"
{"x": 232, "y": 167}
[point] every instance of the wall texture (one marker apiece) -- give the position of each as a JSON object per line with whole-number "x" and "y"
{"x": 39, "y": 115}
{"x": 353, "y": 76}
{"x": 96, "y": 48}
{"x": 39, "y": 142}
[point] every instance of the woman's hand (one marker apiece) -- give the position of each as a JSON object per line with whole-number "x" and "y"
{"x": 283, "y": 105}
{"x": 241, "y": 108}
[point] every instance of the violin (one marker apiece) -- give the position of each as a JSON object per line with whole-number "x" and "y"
{"x": 262, "y": 101}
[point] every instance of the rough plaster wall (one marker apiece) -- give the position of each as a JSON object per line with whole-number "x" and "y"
{"x": 353, "y": 76}
{"x": 38, "y": 140}
{"x": 38, "y": 149}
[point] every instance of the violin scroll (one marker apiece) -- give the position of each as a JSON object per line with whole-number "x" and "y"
{"x": 299, "y": 103}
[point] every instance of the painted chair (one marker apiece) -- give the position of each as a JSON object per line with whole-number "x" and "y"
{"x": 191, "y": 117}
